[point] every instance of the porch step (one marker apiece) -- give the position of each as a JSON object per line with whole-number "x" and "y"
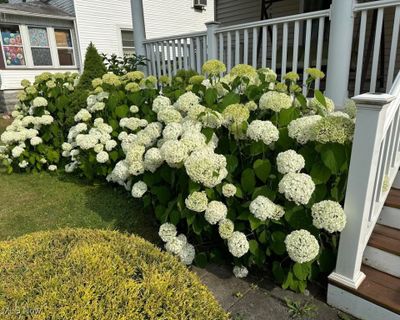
{"x": 390, "y": 215}
{"x": 376, "y": 298}
{"x": 383, "y": 250}
{"x": 393, "y": 198}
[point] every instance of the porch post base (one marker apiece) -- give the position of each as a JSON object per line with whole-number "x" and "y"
{"x": 348, "y": 282}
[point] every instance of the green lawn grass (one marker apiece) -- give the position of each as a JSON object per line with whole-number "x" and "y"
{"x": 34, "y": 202}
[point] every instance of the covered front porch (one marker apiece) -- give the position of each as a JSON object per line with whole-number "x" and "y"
{"x": 356, "y": 44}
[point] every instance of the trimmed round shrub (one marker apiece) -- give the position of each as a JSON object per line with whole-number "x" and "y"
{"x": 96, "y": 274}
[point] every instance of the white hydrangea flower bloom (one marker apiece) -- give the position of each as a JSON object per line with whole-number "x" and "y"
{"x": 174, "y": 153}
{"x": 187, "y": 254}
{"x": 110, "y": 144}
{"x": 176, "y": 244}
{"x": 228, "y": 190}
{"x": 134, "y": 109}
{"x": 153, "y": 159}
{"x": 102, "y": 157}
{"x": 301, "y": 246}
{"x": 264, "y": 131}
{"x": 139, "y": 189}
{"x": 160, "y": 103}
{"x": 46, "y": 119}
{"x": 120, "y": 173}
{"x": 212, "y": 119}
{"x": 17, "y": 151}
{"x": 172, "y": 131}
{"x": 66, "y": 146}
{"x": 52, "y": 167}
{"x": 194, "y": 112}
{"x": 328, "y": 215}
{"x": 35, "y": 141}
{"x": 240, "y": 271}
{"x": 132, "y": 123}
{"x": 297, "y": 187}
{"x": 186, "y": 101}
{"x": 206, "y": 167}
{"x": 39, "y": 102}
{"x": 86, "y": 141}
{"x": 167, "y": 232}
{"x": 238, "y": 245}
{"x": 263, "y": 208}
{"x": 23, "y": 164}
{"x": 315, "y": 105}
{"x": 71, "y": 167}
{"x": 169, "y": 115}
{"x": 193, "y": 140}
{"x": 98, "y": 148}
{"x": 289, "y": 161}
{"x": 215, "y": 212}
{"x": 275, "y": 101}
{"x": 83, "y": 115}
{"x": 226, "y": 228}
{"x": 301, "y": 129}
{"x": 197, "y": 201}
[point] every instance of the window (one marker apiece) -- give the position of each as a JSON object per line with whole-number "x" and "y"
{"x": 13, "y": 49}
{"x": 128, "y": 47}
{"x": 40, "y": 47}
{"x": 64, "y": 47}
{"x": 200, "y": 4}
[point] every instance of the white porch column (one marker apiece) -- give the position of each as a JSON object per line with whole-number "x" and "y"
{"x": 139, "y": 33}
{"x": 212, "y": 50}
{"x": 339, "y": 53}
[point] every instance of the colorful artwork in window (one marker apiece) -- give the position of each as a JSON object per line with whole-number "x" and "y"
{"x": 14, "y": 56}
{"x": 38, "y": 37}
{"x": 12, "y": 46}
{"x": 11, "y": 37}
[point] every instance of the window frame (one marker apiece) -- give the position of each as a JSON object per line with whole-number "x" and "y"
{"x": 53, "y": 64}
{"x": 7, "y": 66}
{"x": 73, "y": 66}
{"x": 122, "y": 40}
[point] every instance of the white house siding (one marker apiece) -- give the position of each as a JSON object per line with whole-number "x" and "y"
{"x": 166, "y": 18}
{"x": 11, "y": 78}
{"x": 100, "y": 22}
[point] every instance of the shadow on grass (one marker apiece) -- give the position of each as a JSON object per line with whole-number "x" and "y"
{"x": 116, "y": 206}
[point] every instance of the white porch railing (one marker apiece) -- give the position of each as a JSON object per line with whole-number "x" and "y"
{"x": 169, "y": 54}
{"x": 378, "y": 23}
{"x": 375, "y": 162}
{"x": 291, "y": 43}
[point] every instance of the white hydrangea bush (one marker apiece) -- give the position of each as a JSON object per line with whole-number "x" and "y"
{"x": 32, "y": 141}
{"x": 234, "y": 166}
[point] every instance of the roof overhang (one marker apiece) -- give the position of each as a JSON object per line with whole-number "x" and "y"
{"x": 4, "y": 11}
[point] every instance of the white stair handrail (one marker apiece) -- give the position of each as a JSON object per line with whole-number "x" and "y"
{"x": 375, "y": 161}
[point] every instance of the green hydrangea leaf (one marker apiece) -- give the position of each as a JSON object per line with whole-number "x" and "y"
{"x": 248, "y": 180}
{"x": 262, "y": 169}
